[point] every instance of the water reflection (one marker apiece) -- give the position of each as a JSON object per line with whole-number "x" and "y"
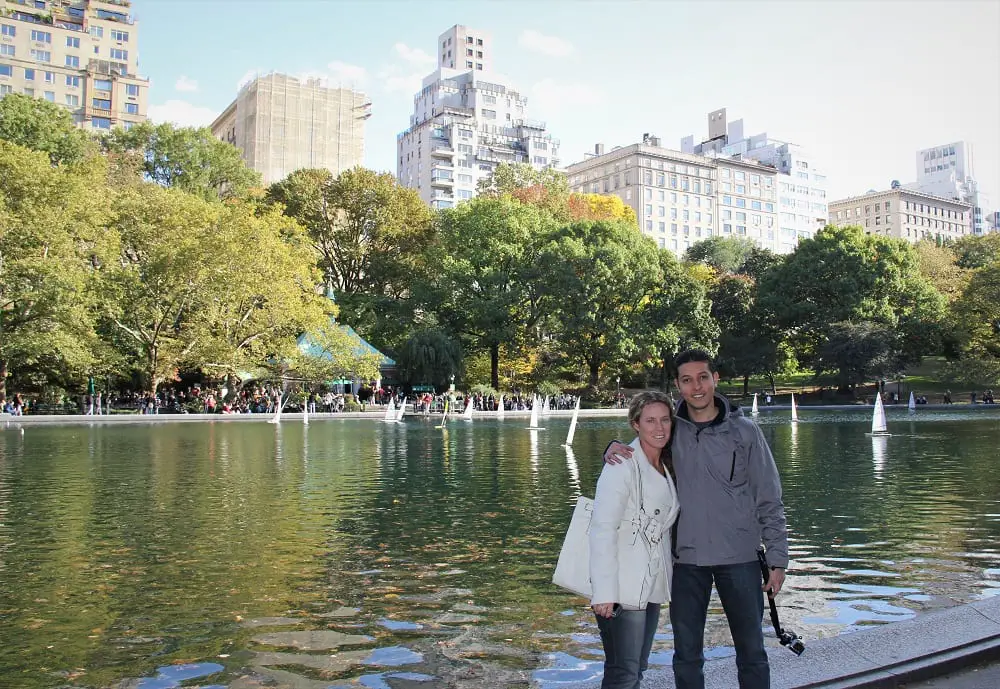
{"x": 131, "y": 549}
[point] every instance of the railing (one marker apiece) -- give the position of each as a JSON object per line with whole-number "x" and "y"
{"x": 530, "y": 124}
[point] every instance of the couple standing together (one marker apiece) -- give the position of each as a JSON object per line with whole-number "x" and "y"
{"x": 709, "y": 468}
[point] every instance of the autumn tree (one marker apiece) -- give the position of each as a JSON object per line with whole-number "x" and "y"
{"x": 37, "y": 124}
{"x": 547, "y": 189}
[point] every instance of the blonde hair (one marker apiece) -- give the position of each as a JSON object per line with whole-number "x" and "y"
{"x": 642, "y": 400}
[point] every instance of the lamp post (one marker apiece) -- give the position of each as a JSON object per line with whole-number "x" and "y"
{"x": 618, "y": 389}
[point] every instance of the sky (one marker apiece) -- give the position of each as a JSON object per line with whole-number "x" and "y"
{"x": 862, "y": 85}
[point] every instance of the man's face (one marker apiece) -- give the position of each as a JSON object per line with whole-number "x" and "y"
{"x": 697, "y": 384}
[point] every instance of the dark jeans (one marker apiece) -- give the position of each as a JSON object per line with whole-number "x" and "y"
{"x": 739, "y": 589}
{"x": 627, "y": 640}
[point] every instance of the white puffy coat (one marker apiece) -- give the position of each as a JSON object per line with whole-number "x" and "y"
{"x": 619, "y": 572}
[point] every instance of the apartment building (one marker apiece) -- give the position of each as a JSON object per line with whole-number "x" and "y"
{"x": 905, "y": 214}
{"x": 947, "y": 171}
{"x": 282, "y": 124}
{"x": 680, "y": 198}
{"x": 801, "y": 184}
{"x": 466, "y": 120}
{"x": 81, "y": 54}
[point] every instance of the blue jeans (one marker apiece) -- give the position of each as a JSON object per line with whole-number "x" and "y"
{"x": 627, "y": 641}
{"x": 739, "y": 589}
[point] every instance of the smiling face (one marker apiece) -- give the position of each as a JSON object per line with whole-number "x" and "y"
{"x": 696, "y": 383}
{"x": 653, "y": 428}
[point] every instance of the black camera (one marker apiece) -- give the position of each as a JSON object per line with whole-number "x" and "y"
{"x": 793, "y": 641}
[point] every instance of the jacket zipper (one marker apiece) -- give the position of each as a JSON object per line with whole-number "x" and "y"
{"x": 732, "y": 469}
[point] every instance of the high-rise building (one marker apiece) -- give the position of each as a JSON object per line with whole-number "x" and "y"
{"x": 465, "y": 121}
{"x": 682, "y": 198}
{"x": 81, "y": 54}
{"x": 282, "y": 124}
{"x": 905, "y": 214}
{"x": 801, "y": 183}
{"x": 947, "y": 171}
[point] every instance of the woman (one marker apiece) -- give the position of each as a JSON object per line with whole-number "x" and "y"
{"x": 630, "y": 582}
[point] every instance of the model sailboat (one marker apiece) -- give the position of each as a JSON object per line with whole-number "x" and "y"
{"x": 402, "y": 410}
{"x": 500, "y": 408}
{"x": 753, "y": 409}
{"x": 572, "y": 425}
{"x": 912, "y": 406}
{"x": 467, "y": 415}
{"x": 535, "y": 408}
{"x": 878, "y": 417}
{"x": 444, "y": 419}
{"x": 390, "y": 411}
{"x": 795, "y": 410}
{"x": 277, "y": 412}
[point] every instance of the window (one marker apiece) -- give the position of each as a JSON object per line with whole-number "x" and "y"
{"x": 8, "y": 30}
{"x": 119, "y": 54}
{"x": 72, "y": 100}
{"x": 727, "y": 215}
{"x": 479, "y": 54}
{"x": 741, "y": 229}
{"x": 741, "y": 189}
{"x": 686, "y": 215}
{"x": 467, "y": 179}
{"x": 464, "y": 194}
{"x": 769, "y": 207}
{"x": 727, "y": 186}
{"x": 468, "y": 39}
{"x": 489, "y": 100}
{"x": 540, "y": 160}
{"x": 72, "y": 42}
{"x": 754, "y": 179}
{"x": 661, "y": 195}
{"x": 649, "y": 209}
{"x": 755, "y": 205}
{"x": 50, "y": 96}
{"x": 479, "y": 41}
{"x": 490, "y": 114}
{"x": 102, "y": 84}
{"x": 468, "y": 52}
{"x": 661, "y": 180}
{"x": 727, "y": 200}
{"x": 133, "y": 91}
{"x": 468, "y": 64}
{"x": 72, "y": 81}
{"x": 479, "y": 65}
{"x": 649, "y": 226}
{"x": 73, "y": 61}
{"x": 29, "y": 74}
{"x": 878, "y": 206}
{"x": 741, "y": 217}
{"x": 100, "y": 123}
{"x": 741, "y": 176}
{"x": 132, "y": 108}
{"x": 741, "y": 203}
{"x": 41, "y": 55}
{"x": 50, "y": 77}
{"x": 6, "y": 71}
{"x": 708, "y": 188}
{"x": 673, "y": 213}
{"x": 727, "y": 228}
{"x": 7, "y": 49}
{"x": 101, "y": 103}
{"x": 41, "y": 36}
{"x": 724, "y": 173}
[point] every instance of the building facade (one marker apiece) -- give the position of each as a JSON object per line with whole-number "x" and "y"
{"x": 800, "y": 182}
{"x": 466, "y": 120}
{"x": 947, "y": 171}
{"x": 905, "y": 214}
{"x": 282, "y": 124}
{"x": 679, "y": 198}
{"x": 81, "y": 54}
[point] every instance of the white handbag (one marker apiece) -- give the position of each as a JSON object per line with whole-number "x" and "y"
{"x": 639, "y": 560}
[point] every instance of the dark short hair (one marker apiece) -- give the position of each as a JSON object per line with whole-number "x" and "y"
{"x": 693, "y": 355}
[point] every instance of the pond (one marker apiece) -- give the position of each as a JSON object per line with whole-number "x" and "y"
{"x": 362, "y": 553}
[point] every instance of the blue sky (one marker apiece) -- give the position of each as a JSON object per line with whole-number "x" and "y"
{"x": 862, "y": 85}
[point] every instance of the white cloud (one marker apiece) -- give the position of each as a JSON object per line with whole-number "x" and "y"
{"x": 395, "y": 79}
{"x": 346, "y": 73}
{"x": 415, "y": 56}
{"x": 549, "y": 96}
{"x": 186, "y": 84}
{"x": 552, "y": 46}
{"x": 182, "y": 113}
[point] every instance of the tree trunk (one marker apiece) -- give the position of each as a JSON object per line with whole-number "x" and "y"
{"x": 774, "y": 390}
{"x": 3, "y": 381}
{"x": 595, "y": 368}
{"x": 746, "y": 386}
{"x": 495, "y": 366}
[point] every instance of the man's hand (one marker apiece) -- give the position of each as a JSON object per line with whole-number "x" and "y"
{"x": 611, "y": 455}
{"x": 775, "y": 579}
{"x": 603, "y": 609}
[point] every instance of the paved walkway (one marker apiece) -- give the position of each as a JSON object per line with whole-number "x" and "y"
{"x": 977, "y": 677}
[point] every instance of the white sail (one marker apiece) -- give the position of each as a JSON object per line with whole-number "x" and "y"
{"x": 444, "y": 419}
{"x": 500, "y": 408}
{"x": 753, "y": 409}
{"x": 912, "y": 406}
{"x": 535, "y": 403}
{"x": 277, "y": 413}
{"x": 795, "y": 411}
{"x": 468, "y": 410}
{"x": 545, "y": 406}
{"x": 402, "y": 410}
{"x": 878, "y": 416}
{"x": 572, "y": 424}
{"x": 305, "y": 412}
{"x": 390, "y": 411}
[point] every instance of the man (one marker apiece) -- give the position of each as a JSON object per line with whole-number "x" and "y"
{"x": 730, "y": 500}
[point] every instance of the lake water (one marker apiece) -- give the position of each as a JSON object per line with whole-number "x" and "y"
{"x": 359, "y": 553}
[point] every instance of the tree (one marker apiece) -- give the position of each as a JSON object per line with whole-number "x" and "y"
{"x": 939, "y": 265}
{"x": 547, "y": 189}
{"x": 331, "y": 352}
{"x": 724, "y": 254}
{"x": 51, "y": 238}
{"x": 977, "y": 314}
{"x": 599, "y": 278}
{"x": 858, "y": 352}
{"x": 483, "y": 256}
{"x": 429, "y": 356}
{"x": 975, "y": 251}
{"x": 600, "y": 207}
{"x": 370, "y": 235}
{"x": 37, "y": 124}
{"x": 186, "y": 158}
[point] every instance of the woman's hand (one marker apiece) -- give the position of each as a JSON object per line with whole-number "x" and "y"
{"x": 603, "y": 609}
{"x": 611, "y": 455}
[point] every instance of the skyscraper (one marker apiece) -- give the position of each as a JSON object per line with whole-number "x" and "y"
{"x": 81, "y": 54}
{"x": 282, "y": 124}
{"x": 466, "y": 120}
{"x": 947, "y": 171}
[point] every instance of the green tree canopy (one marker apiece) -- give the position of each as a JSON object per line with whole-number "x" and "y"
{"x": 975, "y": 251}
{"x": 858, "y": 352}
{"x": 547, "y": 189}
{"x": 429, "y": 356}
{"x": 51, "y": 238}
{"x": 599, "y": 276}
{"x": 186, "y": 158}
{"x": 37, "y": 124}
{"x": 724, "y": 254}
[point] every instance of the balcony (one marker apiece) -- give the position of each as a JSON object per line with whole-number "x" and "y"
{"x": 530, "y": 124}
{"x": 443, "y": 150}
{"x": 442, "y": 196}
{"x": 442, "y": 181}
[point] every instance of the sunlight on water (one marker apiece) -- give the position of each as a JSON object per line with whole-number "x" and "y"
{"x": 362, "y": 553}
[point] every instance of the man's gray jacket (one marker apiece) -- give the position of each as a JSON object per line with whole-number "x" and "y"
{"x": 729, "y": 491}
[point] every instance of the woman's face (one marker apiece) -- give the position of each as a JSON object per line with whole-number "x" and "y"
{"x": 653, "y": 426}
